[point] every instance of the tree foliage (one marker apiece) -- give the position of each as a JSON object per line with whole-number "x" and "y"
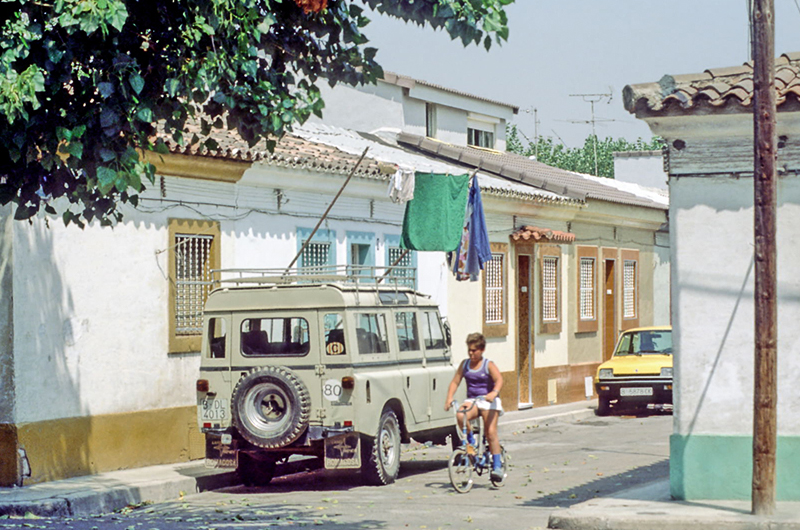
{"x": 578, "y": 159}
{"x": 85, "y": 83}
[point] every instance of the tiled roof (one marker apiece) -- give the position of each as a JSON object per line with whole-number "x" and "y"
{"x": 535, "y": 233}
{"x": 409, "y": 82}
{"x": 522, "y": 169}
{"x": 716, "y": 89}
{"x": 333, "y": 150}
{"x": 291, "y": 151}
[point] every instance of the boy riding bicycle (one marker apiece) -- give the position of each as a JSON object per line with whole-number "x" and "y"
{"x": 483, "y": 379}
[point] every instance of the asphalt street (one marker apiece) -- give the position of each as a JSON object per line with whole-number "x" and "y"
{"x": 552, "y": 466}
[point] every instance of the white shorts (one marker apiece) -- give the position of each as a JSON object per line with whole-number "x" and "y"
{"x": 482, "y": 404}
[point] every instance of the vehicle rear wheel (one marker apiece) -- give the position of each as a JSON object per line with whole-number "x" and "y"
{"x": 603, "y": 406}
{"x": 270, "y": 407}
{"x": 460, "y": 469}
{"x": 380, "y": 455}
{"x": 255, "y": 471}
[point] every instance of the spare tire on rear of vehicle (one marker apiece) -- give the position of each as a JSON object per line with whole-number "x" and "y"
{"x": 270, "y": 407}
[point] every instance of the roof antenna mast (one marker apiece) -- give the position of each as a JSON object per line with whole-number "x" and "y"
{"x": 592, "y": 99}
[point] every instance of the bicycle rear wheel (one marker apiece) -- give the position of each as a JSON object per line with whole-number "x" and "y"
{"x": 460, "y": 469}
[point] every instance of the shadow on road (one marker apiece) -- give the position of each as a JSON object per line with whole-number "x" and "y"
{"x": 603, "y": 486}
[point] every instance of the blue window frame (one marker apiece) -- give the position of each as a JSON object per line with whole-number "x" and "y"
{"x": 320, "y": 252}
{"x": 393, "y": 251}
{"x": 361, "y": 249}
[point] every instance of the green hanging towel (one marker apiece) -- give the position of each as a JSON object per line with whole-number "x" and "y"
{"x": 435, "y": 216}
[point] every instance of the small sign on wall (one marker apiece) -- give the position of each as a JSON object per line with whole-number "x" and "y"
{"x": 587, "y": 383}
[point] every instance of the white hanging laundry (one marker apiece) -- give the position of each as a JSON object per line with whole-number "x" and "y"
{"x": 401, "y": 184}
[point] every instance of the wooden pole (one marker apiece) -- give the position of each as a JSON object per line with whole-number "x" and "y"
{"x": 766, "y": 328}
{"x": 325, "y": 215}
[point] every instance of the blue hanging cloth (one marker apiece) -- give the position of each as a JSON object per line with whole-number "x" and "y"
{"x": 473, "y": 250}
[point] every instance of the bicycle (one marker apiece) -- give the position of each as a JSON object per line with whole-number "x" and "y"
{"x": 468, "y": 458}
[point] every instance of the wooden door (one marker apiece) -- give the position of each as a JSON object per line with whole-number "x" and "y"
{"x": 609, "y": 305}
{"x": 524, "y": 335}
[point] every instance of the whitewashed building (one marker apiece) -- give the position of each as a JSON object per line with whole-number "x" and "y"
{"x": 707, "y": 121}
{"x": 99, "y": 333}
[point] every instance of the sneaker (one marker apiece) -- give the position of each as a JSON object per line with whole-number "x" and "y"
{"x": 497, "y": 475}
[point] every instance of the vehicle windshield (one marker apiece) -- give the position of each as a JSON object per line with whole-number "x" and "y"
{"x": 645, "y": 343}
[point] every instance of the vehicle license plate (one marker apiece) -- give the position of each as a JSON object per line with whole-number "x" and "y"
{"x": 221, "y": 452}
{"x": 343, "y": 451}
{"x": 636, "y": 391}
{"x": 214, "y": 409}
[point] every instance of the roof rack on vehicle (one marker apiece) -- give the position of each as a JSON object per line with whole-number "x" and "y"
{"x": 358, "y": 275}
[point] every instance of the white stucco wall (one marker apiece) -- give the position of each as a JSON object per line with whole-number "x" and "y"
{"x": 91, "y": 306}
{"x": 366, "y": 108}
{"x": 712, "y": 275}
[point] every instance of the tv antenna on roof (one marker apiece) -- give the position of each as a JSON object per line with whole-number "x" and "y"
{"x": 592, "y": 99}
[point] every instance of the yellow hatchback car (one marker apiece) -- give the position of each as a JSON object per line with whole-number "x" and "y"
{"x": 640, "y": 371}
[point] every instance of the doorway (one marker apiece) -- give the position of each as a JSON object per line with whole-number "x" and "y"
{"x": 609, "y": 304}
{"x": 524, "y": 332}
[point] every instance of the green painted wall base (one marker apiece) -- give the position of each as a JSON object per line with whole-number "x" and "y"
{"x": 721, "y": 467}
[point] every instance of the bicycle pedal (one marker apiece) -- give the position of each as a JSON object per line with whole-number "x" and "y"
{"x": 471, "y": 450}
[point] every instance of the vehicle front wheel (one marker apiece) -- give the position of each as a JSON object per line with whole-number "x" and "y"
{"x": 603, "y": 406}
{"x": 380, "y": 456}
{"x": 459, "y": 467}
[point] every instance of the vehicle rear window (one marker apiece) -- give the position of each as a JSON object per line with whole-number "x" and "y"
{"x": 217, "y": 332}
{"x": 645, "y": 343}
{"x": 334, "y": 334}
{"x": 274, "y": 336}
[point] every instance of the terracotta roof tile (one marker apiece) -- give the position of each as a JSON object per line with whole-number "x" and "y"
{"x": 714, "y": 88}
{"x": 528, "y": 233}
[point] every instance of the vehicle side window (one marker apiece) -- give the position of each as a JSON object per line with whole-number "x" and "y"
{"x": 371, "y": 333}
{"x": 432, "y": 331}
{"x": 407, "y": 335}
{"x": 275, "y": 336}
{"x": 217, "y": 334}
{"x": 334, "y": 334}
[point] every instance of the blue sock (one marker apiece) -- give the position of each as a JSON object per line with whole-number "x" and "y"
{"x": 497, "y": 463}
{"x": 470, "y": 438}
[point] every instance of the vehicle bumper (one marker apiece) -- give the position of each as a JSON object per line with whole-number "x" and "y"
{"x": 653, "y": 390}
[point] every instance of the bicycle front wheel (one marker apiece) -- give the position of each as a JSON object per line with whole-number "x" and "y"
{"x": 460, "y": 469}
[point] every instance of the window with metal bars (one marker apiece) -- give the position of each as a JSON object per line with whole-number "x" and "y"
{"x": 629, "y": 289}
{"x": 402, "y": 272}
{"x": 494, "y": 305}
{"x": 315, "y": 255}
{"x": 587, "y": 282}
{"x": 192, "y": 281}
{"x": 550, "y": 289}
{"x": 193, "y": 254}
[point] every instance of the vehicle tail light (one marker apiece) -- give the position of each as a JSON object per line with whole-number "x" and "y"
{"x": 667, "y": 387}
{"x": 348, "y": 423}
{"x": 202, "y": 385}
{"x": 348, "y": 382}
{"x": 207, "y": 425}
{"x": 604, "y": 388}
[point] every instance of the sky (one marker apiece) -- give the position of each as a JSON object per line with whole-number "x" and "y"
{"x": 558, "y": 48}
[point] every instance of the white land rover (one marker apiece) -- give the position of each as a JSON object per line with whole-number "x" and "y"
{"x": 342, "y": 367}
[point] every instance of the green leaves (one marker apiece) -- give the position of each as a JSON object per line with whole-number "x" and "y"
{"x": 579, "y": 159}
{"x": 85, "y": 85}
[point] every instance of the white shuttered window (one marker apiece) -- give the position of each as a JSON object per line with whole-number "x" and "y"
{"x": 192, "y": 281}
{"x": 495, "y": 313}
{"x": 550, "y": 289}
{"x": 629, "y": 289}
{"x": 587, "y": 288}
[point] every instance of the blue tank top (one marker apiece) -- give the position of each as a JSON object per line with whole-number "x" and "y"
{"x": 479, "y": 381}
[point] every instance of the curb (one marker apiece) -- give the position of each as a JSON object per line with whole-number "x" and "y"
{"x": 110, "y": 499}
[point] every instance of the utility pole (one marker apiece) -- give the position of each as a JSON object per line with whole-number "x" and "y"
{"x": 765, "y": 433}
{"x": 592, "y": 99}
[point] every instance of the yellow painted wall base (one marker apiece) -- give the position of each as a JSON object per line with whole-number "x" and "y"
{"x": 71, "y": 447}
